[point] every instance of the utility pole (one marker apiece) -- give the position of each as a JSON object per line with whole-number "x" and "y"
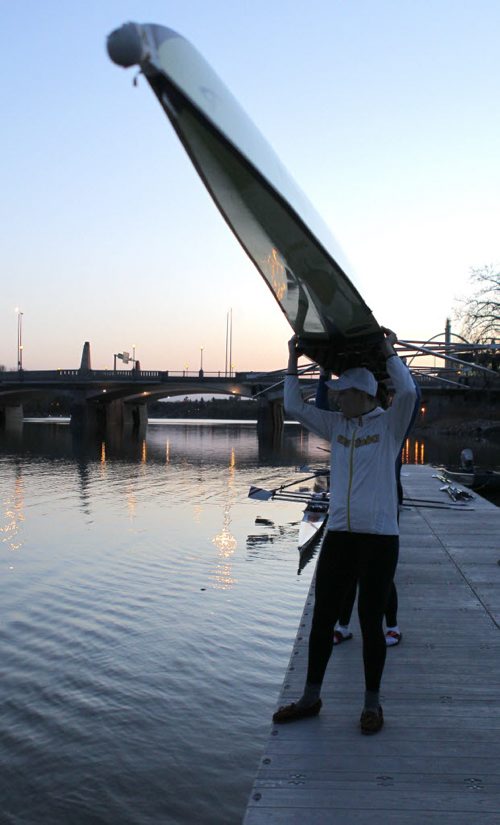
{"x": 19, "y": 339}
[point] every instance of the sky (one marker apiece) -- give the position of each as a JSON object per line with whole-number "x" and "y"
{"x": 384, "y": 112}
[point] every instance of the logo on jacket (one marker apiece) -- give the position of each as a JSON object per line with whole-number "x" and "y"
{"x": 359, "y": 442}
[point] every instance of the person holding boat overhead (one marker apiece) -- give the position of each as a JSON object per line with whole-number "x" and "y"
{"x": 342, "y": 632}
{"x": 362, "y": 538}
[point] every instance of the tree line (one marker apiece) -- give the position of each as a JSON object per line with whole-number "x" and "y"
{"x": 223, "y": 408}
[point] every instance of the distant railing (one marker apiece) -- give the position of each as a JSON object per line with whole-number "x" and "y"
{"x": 121, "y": 375}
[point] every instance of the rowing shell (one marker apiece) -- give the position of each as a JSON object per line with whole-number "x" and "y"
{"x": 274, "y": 222}
{"x": 312, "y": 524}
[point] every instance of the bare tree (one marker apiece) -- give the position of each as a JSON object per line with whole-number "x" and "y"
{"x": 480, "y": 312}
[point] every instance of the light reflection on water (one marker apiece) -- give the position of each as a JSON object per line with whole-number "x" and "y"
{"x": 147, "y": 619}
{"x": 13, "y": 515}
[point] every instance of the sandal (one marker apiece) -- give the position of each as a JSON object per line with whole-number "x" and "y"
{"x": 338, "y": 637}
{"x": 371, "y": 721}
{"x": 392, "y": 638}
{"x": 291, "y": 713}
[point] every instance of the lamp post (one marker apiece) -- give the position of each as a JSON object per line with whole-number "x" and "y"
{"x": 229, "y": 341}
{"x": 133, "y": 354}
{"x": 19, "y": 339}
{"x": 201, "y": 362}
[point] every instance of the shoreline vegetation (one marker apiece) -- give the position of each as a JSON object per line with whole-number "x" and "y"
{"x": 487, "y": 428}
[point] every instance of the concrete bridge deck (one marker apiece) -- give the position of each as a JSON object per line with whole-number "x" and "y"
{"x": 436, "y": 760}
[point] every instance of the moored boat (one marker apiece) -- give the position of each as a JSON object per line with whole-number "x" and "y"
{"x": 467, "y": 474}
{"x": 476, "y": 479}
{"x": 313, "y": 521}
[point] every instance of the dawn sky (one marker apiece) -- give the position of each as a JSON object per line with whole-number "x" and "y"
{"x": 385, "y": 113}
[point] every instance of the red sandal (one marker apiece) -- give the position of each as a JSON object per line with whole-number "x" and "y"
{"x": 392, "y": 638}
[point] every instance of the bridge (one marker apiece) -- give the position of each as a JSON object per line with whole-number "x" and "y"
{"x": 118, "y": 398}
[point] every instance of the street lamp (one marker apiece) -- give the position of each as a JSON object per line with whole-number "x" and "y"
{"x": 201, "y": 362}
{"x": 19, "y": 339}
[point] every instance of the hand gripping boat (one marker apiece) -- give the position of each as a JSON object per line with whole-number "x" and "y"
{"x": 274, "y": 222}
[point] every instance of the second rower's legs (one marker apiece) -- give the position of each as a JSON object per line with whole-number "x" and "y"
{"x": 378, "y": 558}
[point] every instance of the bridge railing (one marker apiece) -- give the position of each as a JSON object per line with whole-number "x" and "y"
{"x": 113, "y": 375}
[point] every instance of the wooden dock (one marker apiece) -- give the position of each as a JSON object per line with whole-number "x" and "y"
{"x": 437, "y": 758}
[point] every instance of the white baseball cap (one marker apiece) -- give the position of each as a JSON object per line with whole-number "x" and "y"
{"x": 357, "y": 378}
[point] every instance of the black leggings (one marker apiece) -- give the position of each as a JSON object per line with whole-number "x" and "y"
{"x": 391, "y": 608}
{"x": 345, "y": 558}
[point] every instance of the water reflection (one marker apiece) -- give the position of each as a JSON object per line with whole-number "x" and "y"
{"x": 279, "y": 537}
{"x": 413, "y": 451}
{"x": 224, "y": 540}
{"x": 82, "y": 468}
{"x": 111, "y": 618}
{"x": 131, "y": 499}
{"x": 13, "y": 514}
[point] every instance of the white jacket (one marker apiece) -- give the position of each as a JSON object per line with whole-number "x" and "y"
{"x": 363, "y": 454}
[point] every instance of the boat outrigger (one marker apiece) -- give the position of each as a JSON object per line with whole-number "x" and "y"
{"x": 317, "y": 503}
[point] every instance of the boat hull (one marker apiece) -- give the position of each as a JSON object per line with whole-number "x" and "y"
{"x": 313, "y": 522}
{"x": 478, "y": 480}
{"x": 274, "y": 222}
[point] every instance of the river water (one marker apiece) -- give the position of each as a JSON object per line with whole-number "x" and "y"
{"x": 147, "y": 619}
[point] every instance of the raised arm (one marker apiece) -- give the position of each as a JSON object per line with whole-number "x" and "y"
{"x": 405, "y": 395}
{"x": 319, "y": 421}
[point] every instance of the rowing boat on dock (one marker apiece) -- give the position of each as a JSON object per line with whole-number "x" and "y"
{"x": 477, "y": 479}
{"x": 315, "y": 512}
{"x": 313, "y": 521}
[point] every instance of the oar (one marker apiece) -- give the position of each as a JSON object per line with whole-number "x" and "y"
{"x": 300, "y": 371}
{"x": 260, "y": 494}
{"x": 255, "y": 492}
{"x": 463, "y": 509}
{"x": 304, "y": 499}
{"x": 422, "y": 500}
{"x": 442, "y": 477}
{"x": 455, "y": 494}
{"x": 447, "y": 357}
{"x": 444, "y": 380}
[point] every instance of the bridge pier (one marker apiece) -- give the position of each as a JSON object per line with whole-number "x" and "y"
{"x": 128, "y": 417}
{"x": 11, "y": 417}
{"x": 270, "y": 418}
{"x": 98, "y": 416}
{"x": 84, "y": 415}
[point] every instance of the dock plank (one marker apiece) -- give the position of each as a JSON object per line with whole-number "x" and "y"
{"x": 436, "y": 760}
